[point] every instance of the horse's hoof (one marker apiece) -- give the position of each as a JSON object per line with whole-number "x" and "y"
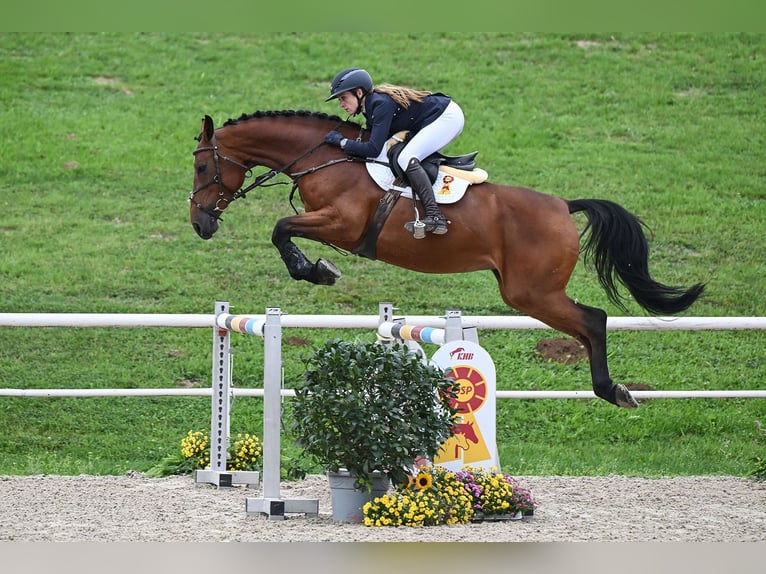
{"x": 623, "y": 398}
{"x": 326, "y": 272}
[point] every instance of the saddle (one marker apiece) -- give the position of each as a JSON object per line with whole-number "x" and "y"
{"x": 465, "y": 164}
{"x": 438, "y": 167}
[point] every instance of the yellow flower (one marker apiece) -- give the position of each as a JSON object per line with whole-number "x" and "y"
{"x": 424, "y": 481}
{"x": 438, "y": 496}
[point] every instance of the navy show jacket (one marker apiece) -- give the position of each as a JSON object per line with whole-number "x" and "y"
{"x": 385, "y": 117}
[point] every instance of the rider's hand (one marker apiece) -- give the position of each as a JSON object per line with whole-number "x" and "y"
{"x": 334, "y": 138}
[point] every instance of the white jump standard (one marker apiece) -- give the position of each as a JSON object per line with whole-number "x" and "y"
{"x": 271, "y": 503}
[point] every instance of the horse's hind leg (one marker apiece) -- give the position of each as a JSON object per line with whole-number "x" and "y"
{"x": 588, "y": 326}
{"x": 590, "y": 330}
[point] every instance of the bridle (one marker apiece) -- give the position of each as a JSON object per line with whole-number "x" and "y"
{"x": 259, "y": 181}
{"x": 215, "y": 213}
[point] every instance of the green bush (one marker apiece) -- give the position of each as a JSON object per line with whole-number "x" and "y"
{"x": 371, "y": 407}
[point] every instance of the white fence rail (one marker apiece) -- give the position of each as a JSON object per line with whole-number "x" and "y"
{"x": 500, "y": 394}
{"x": 140, "y": 320}
{"x": 371, "y": 322}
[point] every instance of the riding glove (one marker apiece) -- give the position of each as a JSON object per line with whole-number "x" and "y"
{"x": 334, "y": 138}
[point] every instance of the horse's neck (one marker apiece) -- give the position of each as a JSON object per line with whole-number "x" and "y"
{"x": 271, "y": 144}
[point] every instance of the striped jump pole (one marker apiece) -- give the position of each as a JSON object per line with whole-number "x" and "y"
{"x": 390, "y": 327}
{"x": 241, "y": 323}
{"x": 415, "y": 333}
{"x": 269, "y": 327}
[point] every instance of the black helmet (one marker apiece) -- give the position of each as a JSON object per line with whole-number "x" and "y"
{"x": 350, "y": 79}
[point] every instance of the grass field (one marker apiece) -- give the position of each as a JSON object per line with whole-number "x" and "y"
{"x": 98, "y": 132}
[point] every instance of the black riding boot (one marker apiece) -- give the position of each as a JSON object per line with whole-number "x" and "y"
{"x": 435, "y": 222}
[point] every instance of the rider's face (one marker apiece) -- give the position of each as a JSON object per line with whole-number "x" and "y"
{"x": 349, "y": 102}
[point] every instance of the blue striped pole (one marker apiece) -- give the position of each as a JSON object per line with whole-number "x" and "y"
{"x": 412, "y": 333}
{"x": 250, "y": 325}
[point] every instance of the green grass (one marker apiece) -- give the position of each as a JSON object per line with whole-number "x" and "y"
{"x": 98, "y": 133}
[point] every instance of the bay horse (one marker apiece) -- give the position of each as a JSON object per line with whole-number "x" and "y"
{"x": 528, "y": 239}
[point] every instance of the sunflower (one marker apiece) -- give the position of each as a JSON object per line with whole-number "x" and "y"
{"x": 407, "y": 483}
{"x": 423, "y": 481}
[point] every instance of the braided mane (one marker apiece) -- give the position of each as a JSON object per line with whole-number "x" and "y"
{"x": 286, "y": 114}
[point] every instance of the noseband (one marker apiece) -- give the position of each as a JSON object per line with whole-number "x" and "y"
{"x": 215, "y": 213}
{"x": 261, "y": 180}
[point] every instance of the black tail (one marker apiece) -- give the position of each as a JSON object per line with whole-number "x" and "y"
{"x": 619, "y": 250}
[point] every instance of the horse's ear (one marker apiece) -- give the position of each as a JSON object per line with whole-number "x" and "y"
{"x": 207, "y": 127}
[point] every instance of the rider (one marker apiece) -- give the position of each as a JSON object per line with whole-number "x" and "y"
{"x": 433, "y": 120}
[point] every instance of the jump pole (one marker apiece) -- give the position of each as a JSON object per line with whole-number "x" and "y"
{"x": 391, "y": 327}
{"x": 270, "y": 328}
{"x": 220, "y": 414}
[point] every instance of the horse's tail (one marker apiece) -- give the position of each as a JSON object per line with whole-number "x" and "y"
{"x": 619, "y": 250}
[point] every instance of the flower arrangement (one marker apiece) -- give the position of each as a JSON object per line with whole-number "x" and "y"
{"x": 368, "y": 406}
{"x": 495, "y": 493}
{"x": 436, "y": 495}
{"x": 195, "y": 449}
{"x": 244, "y": 453}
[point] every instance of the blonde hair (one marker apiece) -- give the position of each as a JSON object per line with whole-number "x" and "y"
{"x": 401, "y": 95}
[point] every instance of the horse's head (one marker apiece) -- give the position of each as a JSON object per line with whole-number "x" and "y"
{"x": 217, "y": 178}
{"x": 467, "y": 431}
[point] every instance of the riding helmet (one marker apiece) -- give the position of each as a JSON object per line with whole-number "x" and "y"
{"x": 350, "y": 79}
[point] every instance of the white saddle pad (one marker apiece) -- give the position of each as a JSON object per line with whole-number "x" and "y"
{"x": 448, "y": 188}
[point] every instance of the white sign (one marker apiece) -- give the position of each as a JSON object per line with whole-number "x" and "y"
{"x": 473, "y": 371}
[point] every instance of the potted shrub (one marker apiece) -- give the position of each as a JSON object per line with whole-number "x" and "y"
{"x": 371, "y": 408}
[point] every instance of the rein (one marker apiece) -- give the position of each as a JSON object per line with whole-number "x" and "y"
{"x": 259, "y": 181}
{"x": 299, "y": 174}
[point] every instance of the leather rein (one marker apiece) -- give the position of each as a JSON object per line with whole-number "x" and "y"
{"x": 259, "y": 181}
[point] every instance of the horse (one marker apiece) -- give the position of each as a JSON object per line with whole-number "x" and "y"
{"x": 463, "y": 433}
{"x": 528, "y": 239}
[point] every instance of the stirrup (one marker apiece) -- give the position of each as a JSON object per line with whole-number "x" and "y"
{"x": 417, "y": 228}
{"x": 436, "y": 224}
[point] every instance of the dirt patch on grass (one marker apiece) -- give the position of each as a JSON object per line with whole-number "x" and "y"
{"x": 562, "y": 350}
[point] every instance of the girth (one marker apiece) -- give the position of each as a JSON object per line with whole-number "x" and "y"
{"x": 431, "y": 164}
{"x": 367, "y": 247}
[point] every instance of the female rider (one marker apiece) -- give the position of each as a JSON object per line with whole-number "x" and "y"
{"x": 433, "y": 118}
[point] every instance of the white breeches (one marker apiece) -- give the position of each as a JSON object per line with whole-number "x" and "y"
{"x": 435, "y": 136}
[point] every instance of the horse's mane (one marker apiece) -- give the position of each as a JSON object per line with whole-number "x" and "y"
{"x": 286, "y": 114}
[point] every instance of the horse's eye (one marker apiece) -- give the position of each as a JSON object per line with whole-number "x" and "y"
{"x": 201, "y": 168}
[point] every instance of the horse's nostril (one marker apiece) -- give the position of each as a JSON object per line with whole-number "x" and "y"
{"x": 204, "y": 230}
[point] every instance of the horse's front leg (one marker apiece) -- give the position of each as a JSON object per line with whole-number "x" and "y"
{"x": 322, "y": 272}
